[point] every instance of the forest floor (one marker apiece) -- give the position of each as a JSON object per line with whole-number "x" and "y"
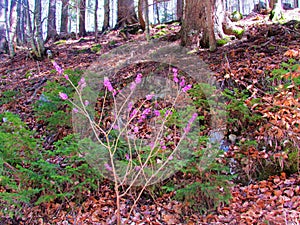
{"x": 242, "y": 63}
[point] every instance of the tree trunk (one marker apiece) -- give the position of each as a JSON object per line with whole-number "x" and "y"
{"x": 82, "y": 5}
{"x": 29, "y": 32}
{"x": 155, "y": 9}
{"x": 126, "y": 13}
{"x": 141, "y": 6}
{"x": 10, "y": 25}
{"x": 219, "y": 19}
{"x": 106, "y": 15}
{"x": 147, "y": 20}
{"x": 210, "y": 25}
{"x": 179, "y": 10}
{"x": 3, "y": 41}
{"x": 199, "y": 18}
{"x": 276, "y": 13}
{"x": 96, "y": 20}
{"x": 40, "y": 48}
{"x": 19, "y": 28}
{"x": 51, "y": 27}
{"x": 64, "y": 16}
{"x": 192, "y": 21}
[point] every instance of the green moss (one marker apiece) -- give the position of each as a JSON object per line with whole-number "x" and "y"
{"x": 60, "y": 42}
{"x": 238, "y": 33}
{"x": 96, "y": 48}
{"x": 236, "y": 16}
{"x": 161, "y": 26}
{"x": 223, "y": 41}
{"x": 159, "y": 34}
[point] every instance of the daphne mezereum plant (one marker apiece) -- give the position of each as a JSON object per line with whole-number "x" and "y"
{"x": 150, "y": 135}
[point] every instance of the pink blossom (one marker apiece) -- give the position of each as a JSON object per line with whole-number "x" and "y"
{"x": 133, "y": 113}
{"x": 137, "y": 168}
{"x": 182, "y": 82}
{"x": 57, "y": 67}
{"x": 149, "y": 97}
{"x": 82, "y": 83}
{"x": 107, "y": 84}
{"x": 156, "y": 112}
{"x": 86, "y": 102}
{"x": 75, "y": 110}
{"x": 186, "y": 88}
{"x": 138, "y": 78}
{"x": 136, "y": 129}
{"x": 66, "y": 77}
{"x": 132, "y": 86}
{"x": 170, "y": 157}
{"x": 130, "y": 104}
{"x": 168, "y": 113}
{"x": 175, "y": 79}
{"x": 108, "y": 167}
{"x": 63, "y": 96}
{"x": 127, "y": 157}
{"x": 175, "y": 70}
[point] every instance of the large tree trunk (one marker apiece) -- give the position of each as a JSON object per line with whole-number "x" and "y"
{"x": 64, "y": 16}
{"x": 29, "y": 32}
{"x": 141, "y": 6}
{"x": 126, "y": 13}
{"x": 40, "y": 48}
{"x": 82, "y": 5}
{"x": 3, "y": 41}
{"x": 209, "y": 27}
{"x": 20, "y": 24}
{"x": 179, "y": 10}
{"x": 191, "y": 21}
{"x": 51, "y": 27}
{"x": 276, "y": 13}
{"x": 106, "y": 15}
{"x": 220, "y": 17}
{"x": 11, "y": 25}
{"x": 156, "y": 11}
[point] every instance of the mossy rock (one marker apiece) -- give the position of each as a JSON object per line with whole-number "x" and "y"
{"x": 161, "y": 26}
{"x": 236, "y": 16}
{"x": 60, "y": 42}
{"x": 238, "y": 32}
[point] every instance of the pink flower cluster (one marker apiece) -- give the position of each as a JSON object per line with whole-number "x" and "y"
{"x": 184, "y": 87}
{"x": 188, "y": 126}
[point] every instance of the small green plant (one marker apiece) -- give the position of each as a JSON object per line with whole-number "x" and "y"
{"x": 50, "y": 108}
{"x": 32, "y": 175}
{"x": 96, "y": 48}
{"x": 212, "y": 187}
{"x": 8, "y": 96}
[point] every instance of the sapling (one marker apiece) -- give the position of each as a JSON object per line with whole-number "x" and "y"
{"x": 120, "y": 152}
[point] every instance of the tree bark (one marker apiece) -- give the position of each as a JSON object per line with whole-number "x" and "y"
{"x": 179, "y": 10}
{"x": 155, "y": 9}
{"x": 64, "y": 16}
{"x": 40, "y": 48}
{"x": 82, "y": 30}
{"x": 96, "y": 20}
{"x": 10, "y": 25}
{"x": 126, "y": 13}
{"x": 191, "y": 21}
{"x": 106, "y": 15}
{"x": 51, "y": 27}
{"x": 276, "y": 13}
{"x": 141, "y": 6}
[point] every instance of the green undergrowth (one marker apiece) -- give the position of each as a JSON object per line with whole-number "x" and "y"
{"x": 31, "y": 175}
